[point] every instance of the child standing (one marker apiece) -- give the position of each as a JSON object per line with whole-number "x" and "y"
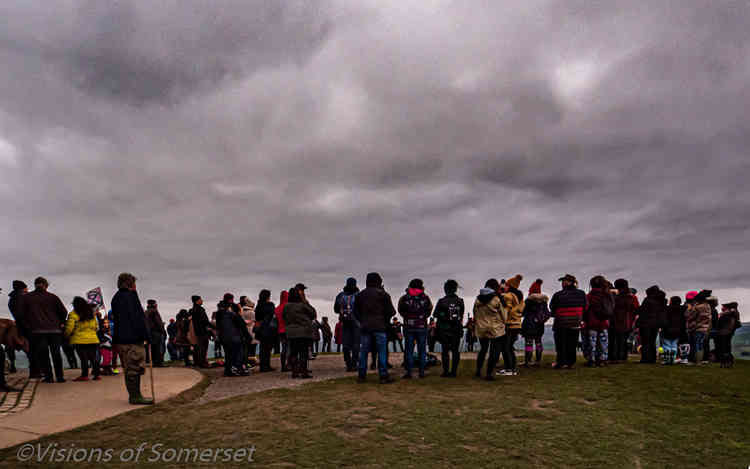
{"x": 672, "y": 330}
{"x": 105, "y": 348}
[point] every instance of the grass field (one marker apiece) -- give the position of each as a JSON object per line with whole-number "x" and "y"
{"x": 621, "y": 416}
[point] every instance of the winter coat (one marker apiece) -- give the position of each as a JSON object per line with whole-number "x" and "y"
{"x": 727, "y": 323}
{"x": 674, "y": 322}
{"x": 514, "y": 306}
{"x": 325, "y": 329}
{"x": 415, "y": 307}
{"x": 698, "y": 317}
{"x": 231, "y": 327}
{"x": 653, "y": 311}
{"x": 130, "y": 319}
{"x": 172, "y": 330}
{"x": 338, "y": 331}
{"x": 42, "y": 312}
{"x": 81, "y": 332}
{"x": 489, "y": 316}
{"x": 626, "y": 305}
{"x": 154, "y": 321}
{"x": 449, "y": 312}
{"x": 373, "y": 309}
{"x": 535, "y": 314}
{"x": 201, "y": 324}
{"x": 13, "y": 300}
{"x": 594, "y": 301}
{"x": 183, "y": 329}
{"x": 264, "y": 314}
{"x": 299, "y": 319}
{"x": 279, "y": 311}
{"x": 567, "y": 307}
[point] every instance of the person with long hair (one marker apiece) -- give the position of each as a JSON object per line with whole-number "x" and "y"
{"x": 81, "y": 331}
{"x": 490, "y": 317}
{"x": 299, "y": 316}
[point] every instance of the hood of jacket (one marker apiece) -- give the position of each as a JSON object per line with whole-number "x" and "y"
{"x": 415, "y": 291}
{"x": 537, "y": 298}
{"x": 486, "y": 295}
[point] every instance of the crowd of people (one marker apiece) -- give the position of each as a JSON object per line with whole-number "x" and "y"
{"x": 600, "y": 323}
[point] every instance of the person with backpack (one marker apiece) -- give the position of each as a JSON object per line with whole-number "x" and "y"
{"x": 373, "y": 309}
{"x": 415, "y": 307}
{"x": 567, "y": 307}
{"x": 672, "y": 329}
{"x": 596, "y": 318}
{"x": 513, "y": 300}
{"x": 651, "y": 316}
{"x": 489, "y": 317}
{"x": 265, "y": 317}
{"x": 535, "y": 314}
{"x": 449, "y": 312}
{"x": 343, "y": 306}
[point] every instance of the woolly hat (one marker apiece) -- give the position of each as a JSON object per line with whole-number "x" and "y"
{"x": 691, "y": 295}
{"x": 515, "y": 282}
{"x": 351, "y": 282}
{"x": 195, "y": 298}
{"x": 417, "y": 283}
{"x": 18, "y": 285}
{"x": 622, "y": 284}
{"x": 536, "y": 287}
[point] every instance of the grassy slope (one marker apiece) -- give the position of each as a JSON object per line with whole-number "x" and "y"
{"x": 623, "y": 416}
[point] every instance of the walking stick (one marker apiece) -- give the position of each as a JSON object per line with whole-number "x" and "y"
{"x": 151, "y": 368}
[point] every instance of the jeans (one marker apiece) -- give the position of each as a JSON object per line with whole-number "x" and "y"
{"x": 494, "y": 346}
{"x": 565, "y": 345}
{"x": 368, "y": 339}
{"x": 599, "y": 346}
{"x": 44, "y": 345}
{"x": 509, "y": 355}
{"x": 420, "y": 336}
{"x": 87, "y": 354}
{"x": 697, "y": 340}
{"x": 450, "y": 345}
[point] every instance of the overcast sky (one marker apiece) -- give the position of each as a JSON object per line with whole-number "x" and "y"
{"x": 236, "y": 145}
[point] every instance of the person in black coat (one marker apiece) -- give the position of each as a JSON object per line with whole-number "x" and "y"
{"x": 203, "y": 332}
{"x": 20, "y": 289}
{"x": 265, "y": 317}
{"x": 373, "y": 309}
{"x": 232, "y": 332}
{"x": 651, "y": 316}
{"x": 130, "y": 334}
{"x": 449, "y": 312}
{"x": 672, "y": 329}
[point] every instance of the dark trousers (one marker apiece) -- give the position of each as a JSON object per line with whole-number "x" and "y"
{"x": 233, "y": 358}
{"x": 298, "y": 352}
{"x": 509, "y": 354}
{"x": 566, "y": 341}
{"x": 284, "y": 344}
{"x": 450, "y": 354}
{"x": 156, "y": 349}
{"x": 201, "y": 352}
{"x": 648, "y": 344}
{"x": 44, "y": 345}
{"x": 723, "y": 347}
{"x": 618, "y": 345}
{"x": 494, "y": 347}
{"x": 431, "y": 342}
{"x": 70, "y": 355}
{"x": 87, "y": 354}
{"x": 326, "y": 346}
{"x": 266, "y": 347}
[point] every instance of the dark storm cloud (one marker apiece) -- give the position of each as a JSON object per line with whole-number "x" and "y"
{"x": 233, "y": 145}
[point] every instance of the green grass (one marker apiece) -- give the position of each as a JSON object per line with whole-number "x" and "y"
{"x": 622, "y": 416}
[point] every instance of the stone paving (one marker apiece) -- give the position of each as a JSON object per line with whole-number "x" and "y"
{"x": 14, "y": 402}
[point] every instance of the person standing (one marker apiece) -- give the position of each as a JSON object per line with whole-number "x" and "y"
{"x": 567, "y": 306}
{"x": 672, "y": 329}
{"x": 20, "y": 289}
{"x": 596, "y": 316}
{"x": 415, "y": 307}
{"x": 449, "y": 312}
{"x": 299, "y": 316}
{"x": 535, "y": 314}
{"x": 343, "y": 306}
{"x": 182, "y": 341}
{"x": 514, "y": 304}
{"x": 158, "y": 333}
{"x": 284, "y": 342}
{"x": 337, "y": 332}
{"x": 129, "y": 336}
{"x": 265, "y": 317}
{"x": 471, "y": 336}
{"x": 43, "y": 315}
{"x": 373, "y": 309}
{"x": 431, "y": 336}
{"x": 325, "y": 329}
{"x": 622, "y": 321}
{"x": 232, "y": 333}
{"x": 698, "y": 318}
{"x": 81, "y": 329}
{"x": 201, "y": 327}
{"x": 489, "y": 317}
{"x": 651, "y": 316}
{"x": 726, "y": 325}
{"x": 174, "y": 352}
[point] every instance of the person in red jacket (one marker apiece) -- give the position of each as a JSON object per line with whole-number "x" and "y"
{"x": 338, "y": 330}
{"x": 279, "y": 312}
{"x": 596, "y": 320}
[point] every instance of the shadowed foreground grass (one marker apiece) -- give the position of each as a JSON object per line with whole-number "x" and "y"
{"x": 621, "y": 416}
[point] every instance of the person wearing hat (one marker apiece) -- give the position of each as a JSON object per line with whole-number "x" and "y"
{"x": 373, "y": 309}
{"x": 698, "y": 318}
{"x": 672, "y": 329}
{"x": 415, "y": 307}
{"x": 490, "y": 317}
{"x": 514, "y": 304}
{"x": 43, "y": 314}
{"x": 651, "y": 316}
{"x": 567, "y": 306}
{"x": 202, "y": 332}
{"x": 20, "y": 289}
{"x": 129, "y": 336}
{"x": 727, "y": 324}
{"x": 449, "y": 312}
{"x": 622, "y": 321}
{"x": 158, "y": 334}
{"x": 343, "y": 306}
